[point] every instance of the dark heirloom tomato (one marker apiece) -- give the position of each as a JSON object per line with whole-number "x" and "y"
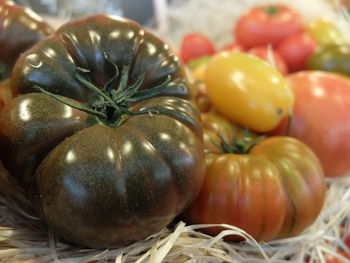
{"x": 20, "y": 29}
{"x": 127, "y": 156}
{"x": 272, "y": 191}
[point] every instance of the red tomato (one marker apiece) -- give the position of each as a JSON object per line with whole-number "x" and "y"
{"x": 334, "y": 259}
{"x": 296, "y": 50}
{"x": 267, "y": 24}
{"x": 195, "y": 45}
{"x": 271, "y": 190}
{"x": 274, "y": 58}
{"x": 234, "y": 47}
{"x": 347, "y": 240}
{"x": 321, "y": 117}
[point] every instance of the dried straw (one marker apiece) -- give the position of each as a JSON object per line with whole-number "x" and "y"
{"x": 25, "y": 239}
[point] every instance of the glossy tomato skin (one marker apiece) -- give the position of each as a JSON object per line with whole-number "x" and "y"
{"x": 296, "y": 50}
{"x": 321, "y": 117}
{"x": 20, "y": 28}
{"x": 271, "y": 56}
{"x": 195, "y": 45}
{"x": 268, "y": 24}
{"x": 247, "y": 90}
{"x": 96, "y": 184}
{"x": 332, "y": 57}
{"x": 275, "y": 191}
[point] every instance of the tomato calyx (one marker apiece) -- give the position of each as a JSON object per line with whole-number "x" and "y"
{"x": 238, "y": 146}
{"x": 112, "y": 105}
{"x": 272, "y": 10}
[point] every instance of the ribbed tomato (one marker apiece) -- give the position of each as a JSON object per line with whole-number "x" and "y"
{"x": 20, "y": 29}
{"x": 112, "y": 148}
{"x": 274, "y": 190}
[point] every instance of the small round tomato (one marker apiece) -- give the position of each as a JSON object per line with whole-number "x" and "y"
{"x": 267, "y": 24}
{"x": 324, "y": 32}
{"x": 296, "y": 50}
{"x": 248, "y": 90}
{"x": 347, "y": 240}
{"x": 274, "y": 190}
{"x": 234, "y": 47}
{"x": 321, "y": 117}
{"x": 195, "y": 45}
{"x": 271, "y": 56}
{"x": 332, "y": 57}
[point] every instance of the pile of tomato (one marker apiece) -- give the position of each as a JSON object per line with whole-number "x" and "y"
{"x": 287, "y": 82}
{"x": 99, "y": 128}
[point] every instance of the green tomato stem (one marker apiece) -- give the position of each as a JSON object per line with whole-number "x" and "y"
{"x": 242, "y": 146}
{"x": 81, "y": 108}
{"x": 112, "y": 105}
{"x": 272, "y": 10}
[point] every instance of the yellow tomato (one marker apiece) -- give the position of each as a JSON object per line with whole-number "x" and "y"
{"x": 324, "y": 32}
{"x": 248, "y": 91}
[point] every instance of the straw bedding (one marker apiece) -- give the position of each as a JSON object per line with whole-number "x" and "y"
{"x": 23, "y": 238}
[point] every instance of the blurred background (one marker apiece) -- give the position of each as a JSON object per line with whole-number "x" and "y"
{"x": 141, "y": 11}
{"x": 172, "y": 19}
